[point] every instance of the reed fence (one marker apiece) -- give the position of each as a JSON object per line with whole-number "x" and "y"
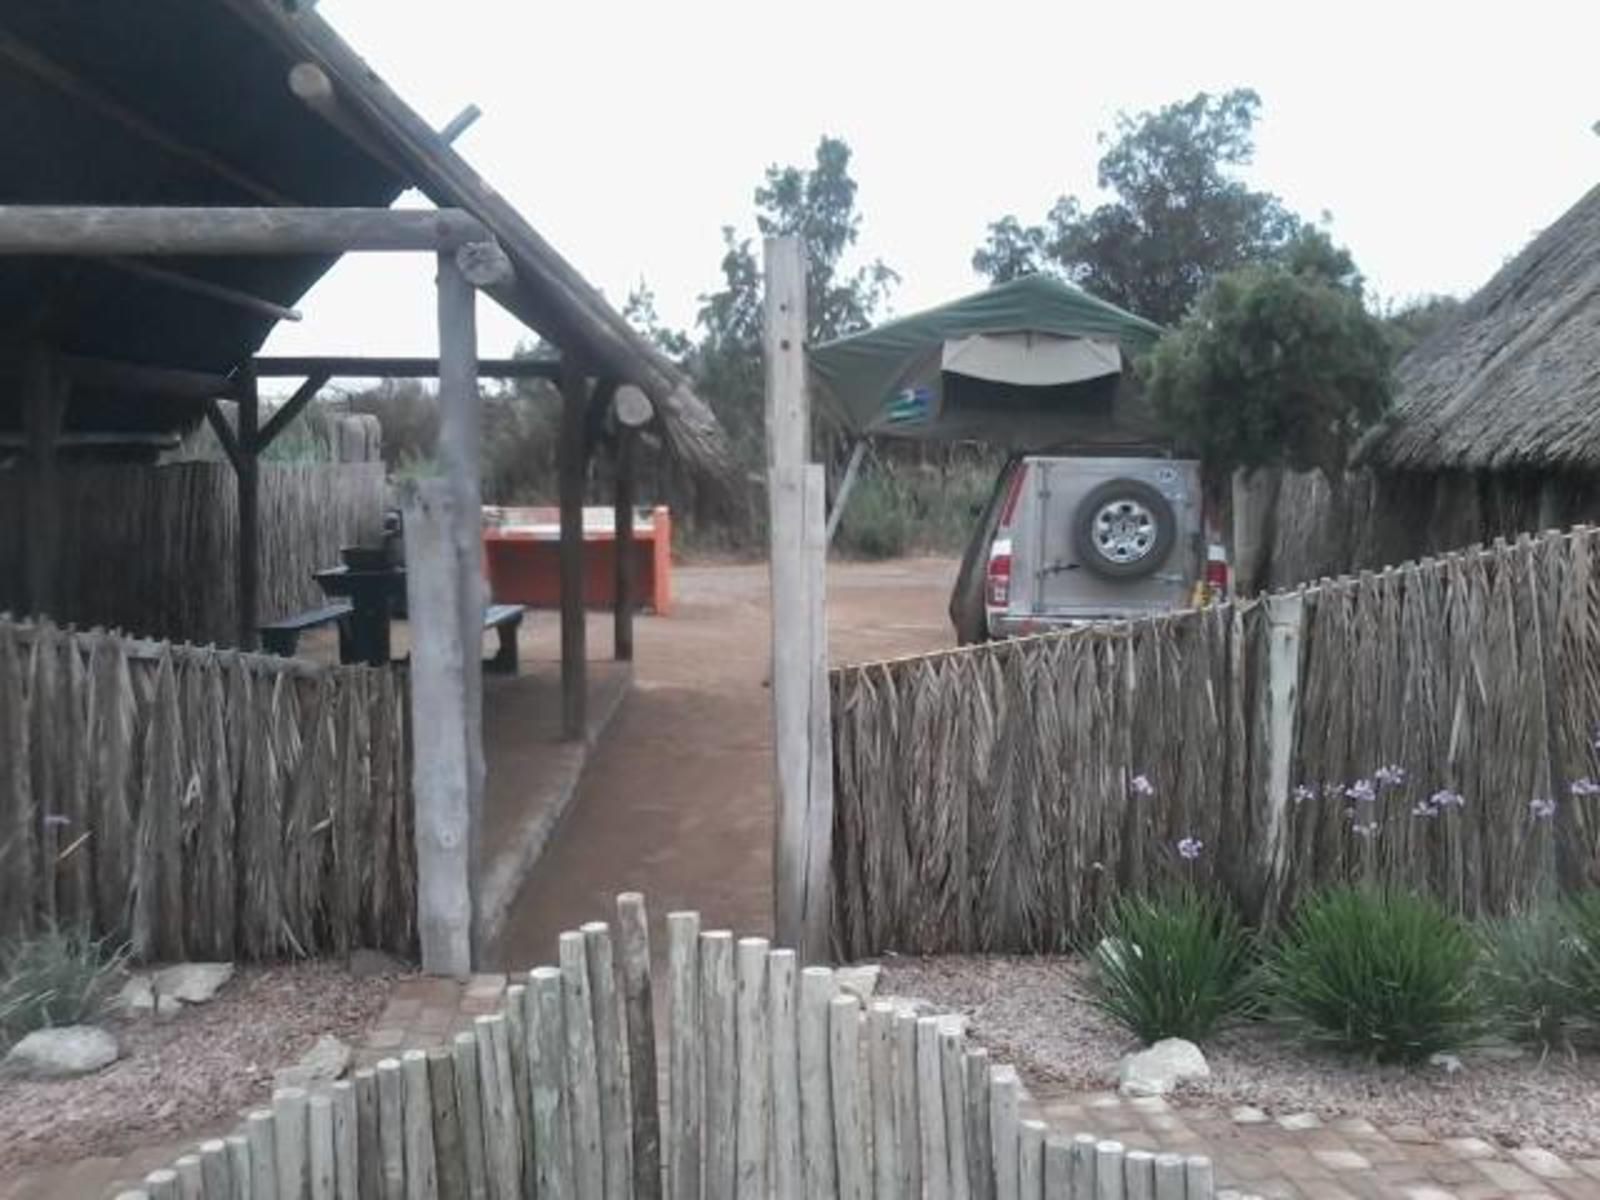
{"x": 780, "y": 1085}
{"x": 1429, "y": 726}
{"x": 154, "y": 549}
{"x": 197, "y": 803}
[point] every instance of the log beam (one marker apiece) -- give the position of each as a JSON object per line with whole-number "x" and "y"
{"x": 290, "y": 409}
{"x": 247, "y": 473}
{"x": 44, "y": 399}
{"x": 571, "y": 461}
{"x": 99, "y": 232}
{"x": 195, "y": 286}
{"x": 169, "y": 382}
{"x": 622, "y": 532}
{"x": 224, "y": 432}
{"x": 352, "y": 366}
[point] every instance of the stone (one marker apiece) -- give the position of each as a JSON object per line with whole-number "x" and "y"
{"x": 194, "y": 982}
{"x": 1300, "y": 1121}
{"x": 860, "y": 982}
{"x": 1542, "y": 1163}
{"x": 62, "y": 1052}
{"x": 1448, "y": 1063}
{"x": 1155, "y": 1071}
{"x": 168, "y": 1007}
{"x": 137, "y": 997}
{"x": 1247, "y": 1114}
{"x": 915, "y": 1006}
{"x": 327, "y": 1060}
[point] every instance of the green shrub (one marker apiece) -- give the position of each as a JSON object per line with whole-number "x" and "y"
{"x": 1526, "y": 977}
{"x": 58, "y": 977}
{"x": 1173, "y": 965}
{"x": 1384, "y": 974}
{"x": 1581, "y": 916}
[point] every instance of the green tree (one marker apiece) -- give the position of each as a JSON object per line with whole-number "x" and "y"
{"x": 1414, "y": 322}
{"x": 1179, "y": 217}
{"x": 1273, "y": 367}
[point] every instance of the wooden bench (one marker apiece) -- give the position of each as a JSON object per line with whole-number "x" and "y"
{"x": 505, "y": 620}
{"x": 281, "y": 637}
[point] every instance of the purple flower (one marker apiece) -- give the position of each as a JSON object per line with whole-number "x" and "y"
{"x": 1390, "y": 776}
{"x": 1189, "y": 848}
{"x": 1445, "y": 798}
{"x": 1370, "y": 829}
{"x": 1584, "y": 787}
{"x": 1362, "y": 790}
{"x": 1425, "y": 808}
{"x": 1304, "y": 793}
{"x": 1140, "y": 785}
{"x": 1541, "y": 808}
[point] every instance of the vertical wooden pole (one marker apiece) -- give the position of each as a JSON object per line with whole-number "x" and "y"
{"x": 817, "y": 989}
{"x": 638, "y": 1006}
{"x": 930, "y": 1098}
{"x": 574, "y": 668}
{"x": 552, "y": 1122}
{"x": 441, "y": 760}
{"x": 611, "y": 1060}
{"x": 753, "y": 1042}
{"x": 626, "y": 567}
{"x": 797, "y": 506}
{"x": 953, "y": 1078}
{"x": 583, "y": 1078}
{"x": 684, "y": 1102}
{"x": 461, "y": 454}
{"x": 787, "y": 1174}
{"x": 849, "y": 1122}
{"x": 249, "y": 481}
{"x": 718, "y": 1014}
{"x": 880, "y": 1068}
{"x": 1278, "y": 712}
{"x": 43, "y": 402}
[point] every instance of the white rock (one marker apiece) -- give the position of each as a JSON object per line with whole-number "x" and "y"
{"x": 860, "y": 982}
{"x": 193, "y": 983}
{"x": 916, "y": 1006}
{"x": 327, "y": 1060}
{"x": 1160, "y": 1068}
{"x": 168, "y": 1007}
{"x": 137, "y": 997}
{"x": 1448, "y": 1063}
{"x": 62, "y": 1052}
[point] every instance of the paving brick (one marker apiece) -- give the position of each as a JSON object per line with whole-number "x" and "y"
{"x": 1542, "y": 1163}
{"x": 1469, "y": 1147}
{"x": 437, "y": 1020}
{"x": 1411, "y": 1135}
{"x": 1246, "y": 1115}
{"x": 1589, "y": 1166}
{"x": 1508, "y": 1175}
{"x": 1480, "y": 1191}
{"x": 1456, "y": 1173}
{"x": 386, "y": 1039}
{"x": 1358, "y": 1126}
{"x": 1429, "y": 1193}
{"x": 1104, "y": 1100}
{"x": 1324, "y": 1189}
{"x": 1578, "y": 1187}
{"x": 1302, "y": 1120}
{"x": 399, "y": 1011}
{"x": 1342, "y": 1160}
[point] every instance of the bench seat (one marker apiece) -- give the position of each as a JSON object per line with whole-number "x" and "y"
{"x": 281, "y": 637}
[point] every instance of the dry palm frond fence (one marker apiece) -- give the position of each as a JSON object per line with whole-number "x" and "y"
{"x": 201, "y": 803}
{"x": 780, "y": 1085}
{"x": 154, "y": 549}
{"x": 1429, "y": 726}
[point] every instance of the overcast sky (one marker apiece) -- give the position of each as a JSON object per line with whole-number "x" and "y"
{"x": 1440, "y": 137}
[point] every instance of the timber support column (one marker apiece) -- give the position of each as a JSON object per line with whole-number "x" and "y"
{"x": 248, "y": 478}
{"x": 574, "y": 639}
{"x": 633, "y": 410}
{"x": 802, "y": 724}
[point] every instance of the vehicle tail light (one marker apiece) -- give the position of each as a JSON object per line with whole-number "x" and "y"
{"x": 999, "y": 579}
{"x": 1217, "y": 571}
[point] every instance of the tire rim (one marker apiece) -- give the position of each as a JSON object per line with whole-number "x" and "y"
{"x": 1124, "y": 531}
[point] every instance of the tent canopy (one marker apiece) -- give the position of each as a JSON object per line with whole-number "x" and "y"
{"x": 1027, "y": 365}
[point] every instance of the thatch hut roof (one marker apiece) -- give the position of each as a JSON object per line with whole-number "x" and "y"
{"x": 188, "y": 102}
{"x": 1513, "y": 381}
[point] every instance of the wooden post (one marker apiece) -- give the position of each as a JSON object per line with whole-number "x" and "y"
{"x": 907, "y": 1109}
{"x": 930, "y": 1097}
{"x": 1085, "y": 1159}
{"x": 43, "y": 405}
{"x": 247, "y": 471}
{"x": 622, "y": 533}
{"x": 320, "y": 1154}
{"x": 1199, "y": 1178}
{"x": 346, "y": 1143}
{"x": 1005, "y": 1093}
{"x": 1278, "y": 708}
{"x": 570, "y": 469}
{"x": 260, "y": 1127}
{"x": 450, "y": 1151}
{"x": 953, "y": 1078}
{"x": 880, "y": 1067}
{"x": 417, "y": 1107}
{"x": 1058, "y": 1169}
{"x": 844, "y": 1065}
{"x": 980, "y": 1153}
{"x": 214, "y": 1169}
{"x": 816, "y": 1096}
{"x": 369, "y": 1148}
{"x": 552, "y": 1123}
{"x": 754, "y": 1047}
{"x": 516, "y": 1014}
{"x": 611, "y": 1061}
{"x": 684, "y": 1103}
{"x": 1030, "y": 1160}
{"x": 1169, "y": 1177}
{"x": 798, "y": 536}
{"x": 718, "y": 1012}
{"x": 241, "y": 1172}
{"x": 583, "y": 1080}
{"x": 460, "y": 454}
{"x": 391, "y": 1131}
{"x": 1108, "y": 1169}
{"x": 441, "y": 772}
{"x": 788, "y": 1176}
{"x": 469, "y": 1104}
{"x": 633, "y": 940}
{"x": 502, "y": 1147}
{"x": 289, "y": 1114}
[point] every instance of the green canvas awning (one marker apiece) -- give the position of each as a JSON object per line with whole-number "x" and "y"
{"x": 1026, "y": 365}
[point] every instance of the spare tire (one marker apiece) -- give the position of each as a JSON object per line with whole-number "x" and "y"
{"x": 1124, "y": 529}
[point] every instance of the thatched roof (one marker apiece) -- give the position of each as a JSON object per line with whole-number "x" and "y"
{"x": 187, "y": 102}
{"x": 1513, "y": 381}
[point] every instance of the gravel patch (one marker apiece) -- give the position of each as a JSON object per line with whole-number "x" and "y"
{"x": 191, "y": 1072}
{"x": 1035, "y": 1013}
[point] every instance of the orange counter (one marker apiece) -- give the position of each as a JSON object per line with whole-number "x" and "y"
{"x": 522, "y": 549}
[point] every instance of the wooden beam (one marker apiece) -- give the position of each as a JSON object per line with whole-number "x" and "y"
{"x": 225, "y": 435}
{"x": 461, "y": 454}
{"x": 97, "y": 232}
{"x": 47, "y": 71}
{"x": 846, "y": 485}
{"x": 44, "y": 400}
{"x": 353, "y": 366}
{"x": 802, "y": 741}
{"x": 247, "y": 474}
{"x": 460, "y": 123}
{"x": 178, "y": 281}
{"x": 290, "y": 409}
{"x": 623, "y": 544}
{"x": 169, "y": 382}
{"x": 571, "y": 458}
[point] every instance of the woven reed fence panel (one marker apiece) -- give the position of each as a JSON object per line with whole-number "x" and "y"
{"x": 199, "y": 803}
{"x": 154, "y": 549}
{"x": 988, "y": 799}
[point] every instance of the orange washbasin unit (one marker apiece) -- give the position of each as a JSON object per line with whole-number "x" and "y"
{"x": 522, "y": 553}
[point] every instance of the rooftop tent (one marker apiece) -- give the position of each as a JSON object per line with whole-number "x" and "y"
{"x": 1026, "y": 365}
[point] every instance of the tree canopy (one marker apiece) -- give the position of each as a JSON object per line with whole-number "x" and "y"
{"x": 1178, "y": 216}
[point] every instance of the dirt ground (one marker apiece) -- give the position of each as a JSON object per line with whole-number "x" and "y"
{"x": 678, "y": 801}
